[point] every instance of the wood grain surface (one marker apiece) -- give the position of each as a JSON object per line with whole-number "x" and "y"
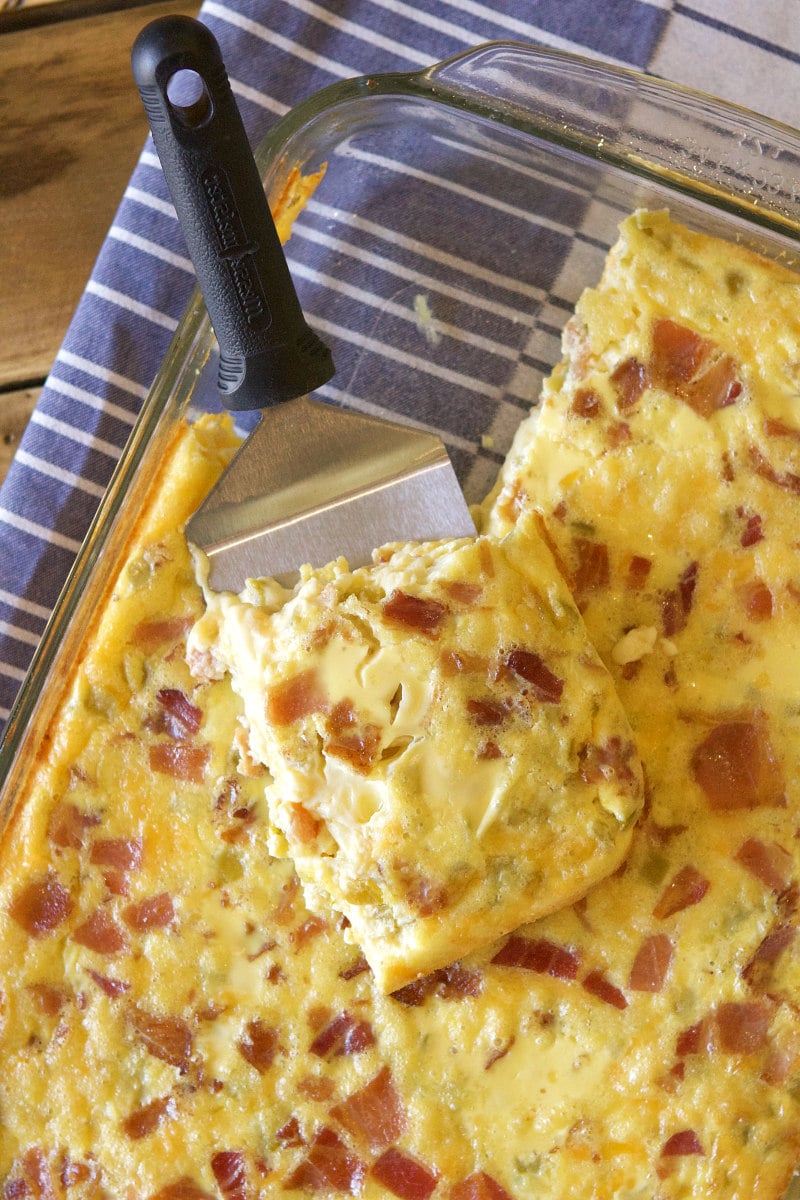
{"x": 15, "y": 411}
{"x": 73, "y": 127}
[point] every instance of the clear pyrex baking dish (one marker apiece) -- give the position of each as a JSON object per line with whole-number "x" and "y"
{"x": 462, "y": 210}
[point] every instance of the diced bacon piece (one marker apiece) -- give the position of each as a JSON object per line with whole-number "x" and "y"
{"x": 453, "y": 982}
{"x": 463, "y": 592}
{"x": 768, "y": 861}
{"x": 753, "y": 531}
{"x": 629, "y": 380}
{"x": 414, "y": 612}
{"x": 684, "y": 1142}
{"x": 736, "y": 767}
{"x": 403, "y": 1175}
{"x": 458, "y": 662}
{"x": 185, "y": 718}
{"x": 259, "y": 1045}
{"x": 328, "y": 1165}
{"x": 154, "y": 912}
{"x": 758, "y": 972}
{"x": 359, "y": 748}
{"x": 375, "y": 1112}
{"x": 773, "y": 427}
{"x": 49, "y": 1000}
{"x": 246, "y": 813}
{"x": 184, "y": 762}
{"x": 149, "y": 636}
{"x": 122, "y": 854}
{"x": 686, "y": 888}
{"x": 38, "y": 1175}
{"x": 166, "y": 1037}
{"x": 100, "y": 933}
{"x": 716, "y": 386}
{"x": 510, "y": 503}
{"x": 639, "y": 569}
{"x": 488, "y": 750}
{"x": 787, "y": 480}
{"x": 618, "y": 433}
{"x": 686, "y": 586}
{"x": 358, "y": 967}
{"x": 611, "y": 761}
{"x": 663, "y": 834}
{"x": 113, "y": 988}
{"x": 692, "y": 1040}
{"x": 586, "y": 403}
{"x": 228, "y": 1168}
{"x": 295, "y": 698}
{"x": 68, "y": 825}
{"x": 789, "y": 901}
{"x": 651, "y": 964}
{"x": 41, "y": 905}
{"x": 343, "y": 1036}
{"x": 117, "y": 882}
{"x": 677, "y": 354}
{"x": 596, "y": 984}
{"x": 290, "y": 1133}
{"x": 479, "y": 1186}
{"x": 538, "y": 954}
{"x": 303, "y": 825}
{"x": 530, "y": 667}
{"x": 73, "y": 1173}
{"x": 307, "y": 930}
{"x": 775, "y": 942}
{"x": 317, "y": 1087}
{"x": 742, "y": 1027}
{"x": 341, "y": 718}
{"x": 426, "y": 896}
{"x": 756, "y": 599}
{"x": 284, "y": 912}
{"x": 488, "y": 711}
{"x": 413, "y": 994}
{"x": 593, "y": 572}
{"x": 145, "y": 1120}
{"x": 676, "y": 604}
{"x": 183, "y": 1189}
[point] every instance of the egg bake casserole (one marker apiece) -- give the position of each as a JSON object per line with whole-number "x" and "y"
{"x": 186, "y": 1006}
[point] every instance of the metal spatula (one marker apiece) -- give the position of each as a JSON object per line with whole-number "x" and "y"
{"x": 312, "y": 482}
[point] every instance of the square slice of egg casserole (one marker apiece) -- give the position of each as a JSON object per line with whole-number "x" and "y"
{"x": 471, "y": 874}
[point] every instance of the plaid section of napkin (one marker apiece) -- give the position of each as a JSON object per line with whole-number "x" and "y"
{"x": 278, "y": 52}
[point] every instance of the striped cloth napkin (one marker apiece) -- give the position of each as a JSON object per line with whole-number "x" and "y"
{"x": 278, "y": 52}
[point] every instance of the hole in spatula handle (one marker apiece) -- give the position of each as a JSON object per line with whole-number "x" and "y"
{"x": 188, "y": 98}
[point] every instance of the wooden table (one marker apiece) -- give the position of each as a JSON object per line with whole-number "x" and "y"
{"x": 73, "y": 128}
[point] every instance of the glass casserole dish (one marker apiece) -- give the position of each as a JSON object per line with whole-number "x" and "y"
{"x": 461, "y": 212}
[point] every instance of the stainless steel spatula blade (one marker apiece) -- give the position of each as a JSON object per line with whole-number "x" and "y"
{"x": 312, "y": 482}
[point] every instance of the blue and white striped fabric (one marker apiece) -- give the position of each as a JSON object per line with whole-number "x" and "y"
{"x": 278, "y": 52}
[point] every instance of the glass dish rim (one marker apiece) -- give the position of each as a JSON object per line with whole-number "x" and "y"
{"x": 430, "y": 85}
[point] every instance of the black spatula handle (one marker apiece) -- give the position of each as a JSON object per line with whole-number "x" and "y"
{"x": 268, "y": 351}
